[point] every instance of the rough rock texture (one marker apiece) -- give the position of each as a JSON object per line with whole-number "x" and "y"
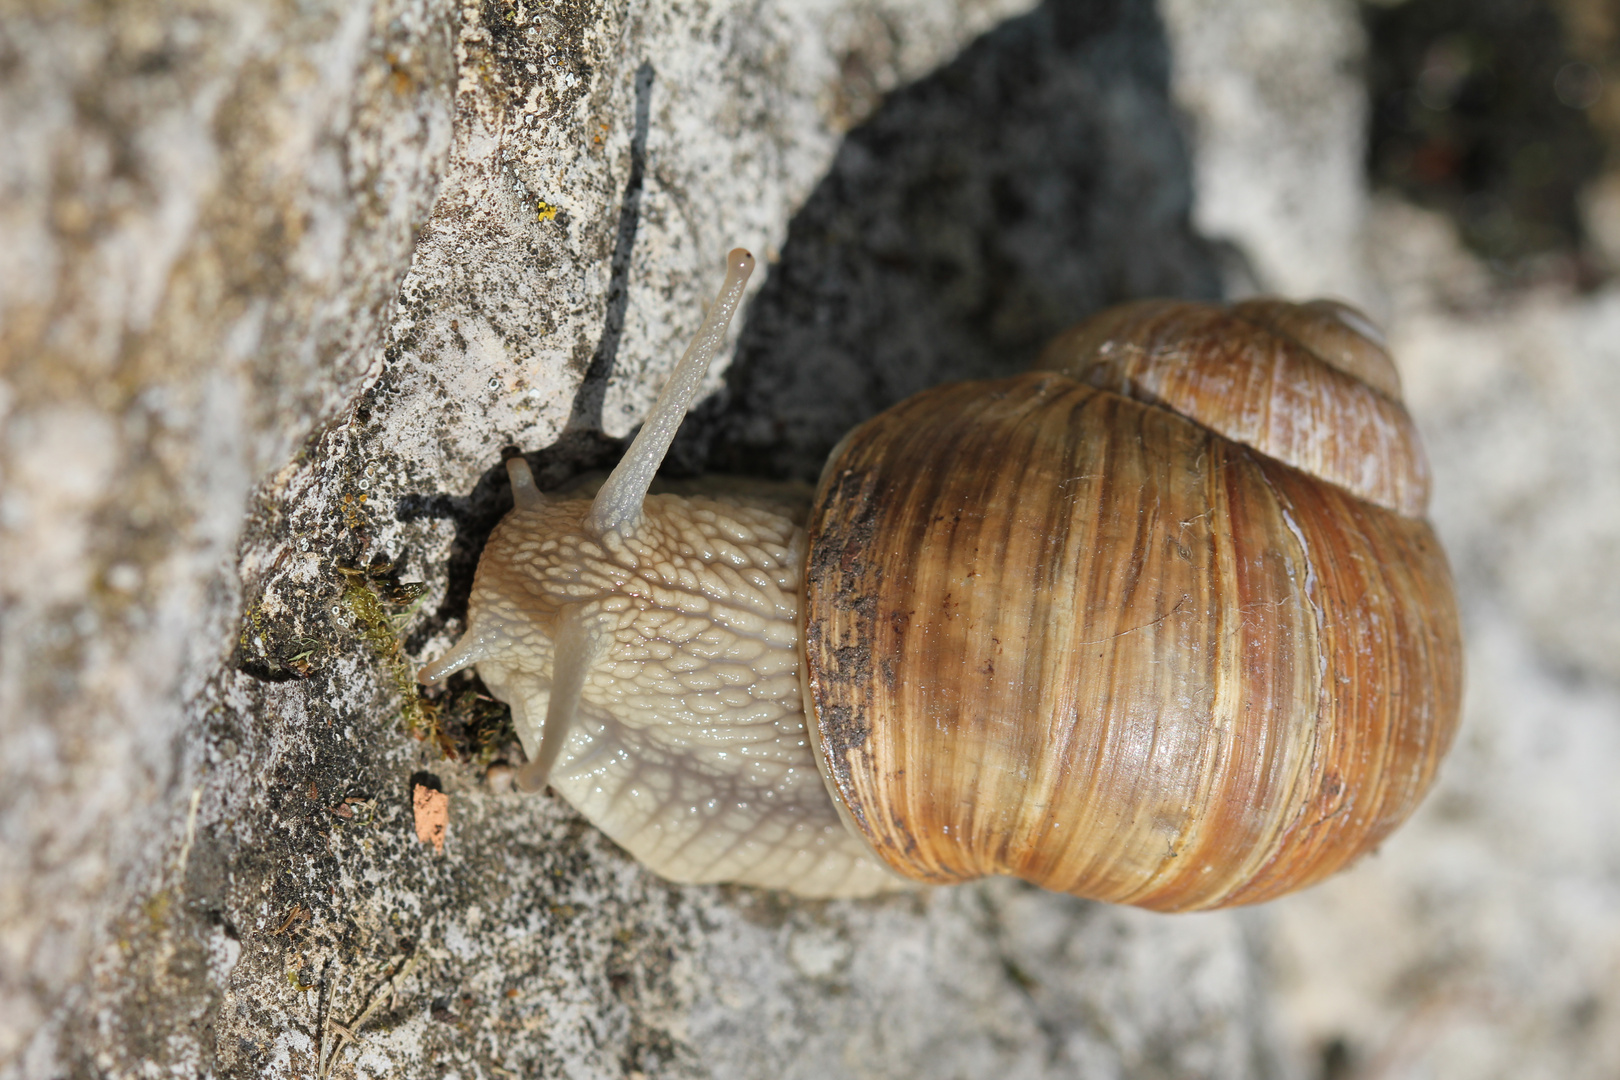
{"x": 206, "y": 212}
{"x": 206, "y": 722}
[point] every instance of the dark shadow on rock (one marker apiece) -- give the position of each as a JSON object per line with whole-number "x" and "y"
{"x": 1039, "y": 176}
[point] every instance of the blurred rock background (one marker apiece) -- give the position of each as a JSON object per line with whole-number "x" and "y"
{"x": 278, "y": 284}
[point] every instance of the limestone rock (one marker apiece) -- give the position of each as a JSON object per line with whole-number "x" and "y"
{"x": 207, "y": 209}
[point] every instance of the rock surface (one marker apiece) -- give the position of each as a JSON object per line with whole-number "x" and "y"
{"x": 207, "y": 210}
{"x": 1277, "y": 117}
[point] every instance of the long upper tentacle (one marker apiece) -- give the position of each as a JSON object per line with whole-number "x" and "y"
{"x": 618, "y": 504}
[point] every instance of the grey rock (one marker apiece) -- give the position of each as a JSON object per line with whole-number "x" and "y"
{"x": 1277, "y": 115}
{"x": 207, "y": 210}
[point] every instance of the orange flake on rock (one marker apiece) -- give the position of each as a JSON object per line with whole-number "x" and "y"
{"x": 432, "y": 815}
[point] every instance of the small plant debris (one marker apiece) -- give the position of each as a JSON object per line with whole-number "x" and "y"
{"x": 382, "y": 607}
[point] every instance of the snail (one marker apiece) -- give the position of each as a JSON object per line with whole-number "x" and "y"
{"x": 1159, "y": 622}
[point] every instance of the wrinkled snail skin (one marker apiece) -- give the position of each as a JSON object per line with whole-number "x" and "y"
{"x": 1160, "y": 623}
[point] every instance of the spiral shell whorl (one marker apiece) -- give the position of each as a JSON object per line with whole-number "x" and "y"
{"x": 1303, "y": 383}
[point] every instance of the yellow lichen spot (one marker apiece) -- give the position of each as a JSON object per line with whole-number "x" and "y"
{"x": 353, "y": 516}
{"x": 156, "y": 908}
{"x": 545, "y": 211}
{"x": 399, "y": 78}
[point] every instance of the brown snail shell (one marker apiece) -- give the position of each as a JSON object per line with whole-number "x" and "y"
{"x": 1162, "y": 625}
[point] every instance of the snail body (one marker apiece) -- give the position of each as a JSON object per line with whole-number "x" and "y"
{"x": 1094, "y": 626}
